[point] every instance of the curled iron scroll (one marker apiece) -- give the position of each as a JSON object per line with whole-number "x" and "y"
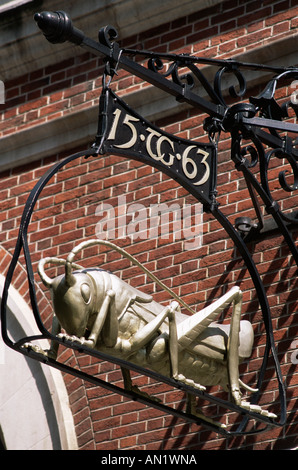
{"x": 232, "y": 89}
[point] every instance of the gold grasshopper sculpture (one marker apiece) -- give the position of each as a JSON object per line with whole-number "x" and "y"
{"x": 101, "y": 311}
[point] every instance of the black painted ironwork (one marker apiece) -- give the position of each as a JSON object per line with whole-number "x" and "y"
{"x": 261, "y": 121}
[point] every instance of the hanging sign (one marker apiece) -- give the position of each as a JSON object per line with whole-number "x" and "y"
{"x": 123, "y": 132}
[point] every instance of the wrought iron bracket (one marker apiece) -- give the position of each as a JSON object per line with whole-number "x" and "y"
{"x": 240, "y": 119}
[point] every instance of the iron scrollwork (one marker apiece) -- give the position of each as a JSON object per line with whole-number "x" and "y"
{"x": 283, "y": 148}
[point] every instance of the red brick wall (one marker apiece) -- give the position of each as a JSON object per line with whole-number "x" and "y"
{"x": 65, "y": 215}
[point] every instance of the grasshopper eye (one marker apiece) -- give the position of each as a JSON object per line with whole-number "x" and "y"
{"x": 86, "y": 292}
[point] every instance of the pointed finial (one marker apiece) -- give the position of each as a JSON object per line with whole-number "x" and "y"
{"x": 57, "y": 27}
